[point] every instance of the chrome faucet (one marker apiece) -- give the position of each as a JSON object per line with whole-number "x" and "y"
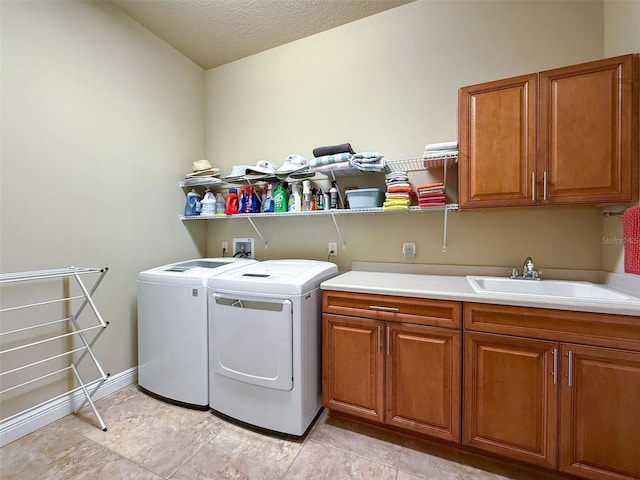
{"x": 529, "y": 271}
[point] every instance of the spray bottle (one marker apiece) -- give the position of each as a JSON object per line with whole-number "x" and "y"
{"x": 280, "y": 200}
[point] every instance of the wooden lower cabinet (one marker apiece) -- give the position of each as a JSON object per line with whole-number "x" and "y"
{"x": 547, "y": 400}
{"x": 554, "y": 388}
{"x": 423, "y": 380}
{"x": 600, "y": 413}
{"x": 353, "y": 366}
{"x": 510, "y": 397}
{"x": 398, "y": 374}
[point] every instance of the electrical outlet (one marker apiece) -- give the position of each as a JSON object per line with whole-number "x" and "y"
{"x": 332, "y": 249}
{"x": 225, "y": 248}
{"x": 409, "y": 250}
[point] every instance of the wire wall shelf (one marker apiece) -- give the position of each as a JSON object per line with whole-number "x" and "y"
{"x": 321, "y": 175}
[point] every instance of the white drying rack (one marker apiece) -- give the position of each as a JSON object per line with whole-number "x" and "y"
{"x": 88, "y": 335}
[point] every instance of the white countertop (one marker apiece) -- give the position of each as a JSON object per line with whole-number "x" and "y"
{"x": 448, "y": 287}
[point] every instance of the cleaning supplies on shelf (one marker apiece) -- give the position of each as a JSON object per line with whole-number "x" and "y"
{"x": 221, "y": 207}
{"x": 320, "y": 196}
{"x": 333, "y": 196}
{"x": 295, "y": 202}
{"x": 208, "y": 205}
{"x": 192, "y": 206}
{"x": 280, "y": 199}
{"x": 267, "y": 204}
{"x": 232, "y": 202}
{"x": 252, "y": 202}
{"x": 242, "y": 201}
{"x": 306, "y": 196}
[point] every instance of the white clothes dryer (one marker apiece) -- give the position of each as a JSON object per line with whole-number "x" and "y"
{"x": 265, "y": 343}
{"x": 173, "y": 329}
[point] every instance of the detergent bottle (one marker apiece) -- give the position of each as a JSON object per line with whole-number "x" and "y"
{"x": 208, "y": 204}
{"x": 192, "y": 206}
{"x": 232, "y": 202}
{"x": 280, "y": 200}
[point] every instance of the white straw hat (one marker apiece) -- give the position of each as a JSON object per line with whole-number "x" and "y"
{"x": 202, "y": 167}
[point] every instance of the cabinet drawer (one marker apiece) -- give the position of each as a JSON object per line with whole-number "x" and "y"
{"x": 597, "y": 329}
{"x": 422, "y": 311}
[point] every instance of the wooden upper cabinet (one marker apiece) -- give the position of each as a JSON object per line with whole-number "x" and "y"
{"x": 559, "y": 137}
{"x": 497, "y": 144}
{"x": 588, "y": 132}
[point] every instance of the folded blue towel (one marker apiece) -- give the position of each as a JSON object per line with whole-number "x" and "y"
{"x": 329, "y": 159}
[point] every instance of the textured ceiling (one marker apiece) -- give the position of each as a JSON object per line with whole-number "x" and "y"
{"x": 215, "y": 32}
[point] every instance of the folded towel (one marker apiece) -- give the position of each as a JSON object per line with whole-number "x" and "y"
{"x": 368, "y": 166}
{"x": 431, "y": 197}
{"x": 398, "y": 185}
{"x": 329, "y": 159}
{"x": 429, "y": 154}
{"x": 365, "y": 157}
{"x": 395, "y": 207}
{"x": 399, "y": 189}
{"x": 332, "y": 166}
{"x": 404, "y": 197}
{"x": 390, "y": 201}
{"x": 333, "y": 149}
{"x": 631, "y": 235}
{"x": 430, "y": 188}
{"x": 396, "y": 176}
{"x": 452, "y": 145}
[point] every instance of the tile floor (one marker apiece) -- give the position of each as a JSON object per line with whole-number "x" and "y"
{"x": 151, "y": 440}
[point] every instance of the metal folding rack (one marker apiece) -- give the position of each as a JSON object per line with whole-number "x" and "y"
{"x": 87, "y": 336}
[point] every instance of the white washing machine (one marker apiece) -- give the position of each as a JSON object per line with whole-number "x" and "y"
{"x": 265, "y": 343}
{"x": 172, "y": 329}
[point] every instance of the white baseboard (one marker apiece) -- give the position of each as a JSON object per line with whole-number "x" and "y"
{"x": 32, "y": 419}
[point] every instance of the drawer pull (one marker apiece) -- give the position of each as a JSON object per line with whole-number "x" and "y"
{"x": 570, "y": 373}
{"x": 555, "y": 365}
{"x": 388, "y": 340}
{"x": 384, "y": 309}
{"x": 379, "y": 339}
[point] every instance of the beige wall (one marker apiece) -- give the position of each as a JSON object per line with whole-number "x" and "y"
{"x": 621, "y": 35}
{"x": 389, "y": 83}
{"x": 100, "y": 119}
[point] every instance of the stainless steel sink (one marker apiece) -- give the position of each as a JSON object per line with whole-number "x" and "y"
{"x": 544, "y": 288}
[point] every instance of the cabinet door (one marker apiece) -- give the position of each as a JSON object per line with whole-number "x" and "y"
{"x": 589, "y": 132}
{"x": 510, "y": 397}
{"x": 423, "y": 380}
{"x": 353, "y": 366}
{"x": 497, "y": 144}
{"x": 600, "y": 415}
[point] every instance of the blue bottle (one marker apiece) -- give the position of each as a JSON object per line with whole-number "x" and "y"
{"x": 242, "y": 201}
{"x": 192, "y": 206}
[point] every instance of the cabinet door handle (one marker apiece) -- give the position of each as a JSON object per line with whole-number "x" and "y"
{"x": 544, "y": 185}
{"x": 388, "y": 329}
{"x": 570, "y": 373}
{"x": 533, "y": 186}
{"x": 555, "y": 365}
{"x": 384, "y": 309}
{"x": 379, "y": 339}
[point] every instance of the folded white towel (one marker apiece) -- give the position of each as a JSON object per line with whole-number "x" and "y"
{"x": 452, "y": 145}
{"x": 439, "y": 153}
